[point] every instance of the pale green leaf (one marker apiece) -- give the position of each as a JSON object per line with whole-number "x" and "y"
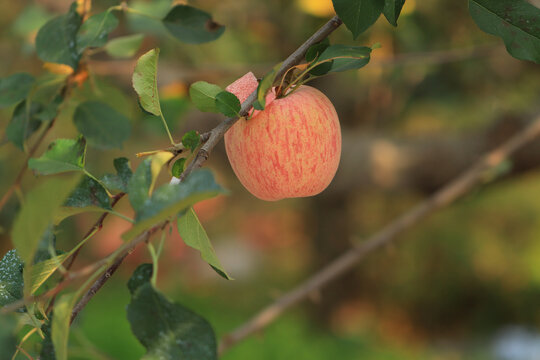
{"x": 145, "y": 81}
{"x": 203, "y": 95}
{"x": 40, "y": 208}
{"x": 63, "y": 155}
{"x": 193, "y": 234}
{"x": 125, "y": 46}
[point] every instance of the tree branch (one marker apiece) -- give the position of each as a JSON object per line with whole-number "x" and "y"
{"x": 211, "y": 138}
{"x": 475, "y": 175}
{"x": 295, "y": 58}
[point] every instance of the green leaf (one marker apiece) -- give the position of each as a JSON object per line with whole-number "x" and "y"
{"x": 50, "y": 110}
{"x": 317, "y": 49}
{"x": 139, "y": 185}
{"x": 193, "y": 234}
{"x": 47, "y": 347}
{"x": 8, "y": 339}
{"x": 358, "y": 15}
{"x": 178, "y": 167}
{"x": 191, "y": 25}
{"x": 203, "y": 95}
{"x": 142, "y": 183}
{"x": 228, "y": 104}
{"x": 170, "y": 199}
{"x": 515, "y": 21}
{"x": 89, "y": 192}
{"x": 191, "y": 140}
{"x": 11, "y": 278}
{"x": 15, "y": 88}
{"x": 145, "y": 82}
{"x": 392, "y": 9}
{"x": 344, "y": 57}
{"x": 119, "y": 181}
{"x": 264, "y": 85}
{"x": 95, "y": 30}
{"x": 125, "y": 46}
{"x": 60, "y": 325}
{"x": 24, "y": 122}
{"x": 101, "y": 125}
{"x": 167, "y": 330}
{"x": 39, "y": 209}
{"x": 313, "y": 53}
{"x": 62, "y": 155}
{"x": 56, "y": 41}
{"x": 142, "y": 275}
{"x": 40, "y": 272}
{"x": 46, "y": 246}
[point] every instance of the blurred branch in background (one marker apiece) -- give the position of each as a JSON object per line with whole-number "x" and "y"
{"x": 123, "y": 69}
{"x": 475, "y": 175}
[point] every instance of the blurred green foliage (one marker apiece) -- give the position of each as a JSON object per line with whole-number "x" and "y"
{"x": 443, "y": 292}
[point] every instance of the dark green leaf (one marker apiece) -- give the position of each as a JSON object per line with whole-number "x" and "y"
{"x": 178, "y": 167}
{"x": 39, "y": 209}
{"x": 46, "y": 244}
{"x": 264, "y": 85}
{"x": 119, "y": 181}
{"x": 191, "y": 140}
{"x": 15, "y": 88}
{"x": 392, "y": 9}
{"x": 89, "y": 193}
{"x": 515, "y": 21}
{"x": 193, "y": 234}
{"x": 62, "y": 155}
{"x": 125, "y": 46}
{"x": 24, "y": 122}
{"x": 56, "y": 41}
{"x": 139, "y": 185}
{"x": 313, "y": 53}
{"x": 50, "y": 110}
{"x": 101, "y": 125}
{"x": 47, "y": 347}
{"x": 228, "y": 104}
{"x": 191, "y": 25}
{"x": 95, "y": 30}
{"x": 145, "y": 82}
{"x": 11, "y": 278}
{"x": 170, "y": 199}
{"x": 358, "y": 15}
{"x": 345, "y": 57}
{"x": 167, "y": 330}
{"x": 203, "y": 95}
{"x": 317, "y": 49}
{"x": 142, "y": 275}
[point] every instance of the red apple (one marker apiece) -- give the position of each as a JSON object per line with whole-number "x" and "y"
{"x": 290, "y": 149}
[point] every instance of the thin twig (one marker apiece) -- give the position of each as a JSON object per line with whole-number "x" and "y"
{"x": 98, "y": 225}
{"x": 123, "y": 252}
{"x": 211, "y": 139}
{"x": 295, "y": 58}
{"x": 17, "y": 183}
{"x": 452, "y": 191}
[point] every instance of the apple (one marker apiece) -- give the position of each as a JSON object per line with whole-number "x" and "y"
{"x": 290, "y": 149}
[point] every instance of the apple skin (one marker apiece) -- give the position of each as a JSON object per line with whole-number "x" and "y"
{"x": 290, "y": 149}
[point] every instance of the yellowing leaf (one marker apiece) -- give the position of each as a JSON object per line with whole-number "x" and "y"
{"x": 59, "y": 69}
{"x": 158, "y": 161}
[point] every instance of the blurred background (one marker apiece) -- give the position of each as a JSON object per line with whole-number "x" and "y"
{"x": 439, "y": 92}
